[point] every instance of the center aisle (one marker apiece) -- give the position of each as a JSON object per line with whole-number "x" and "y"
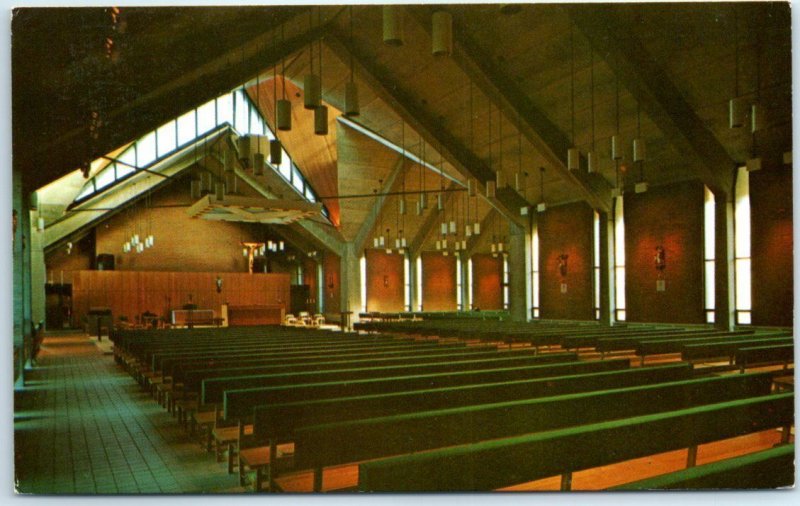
{"x": 83, "y": 426}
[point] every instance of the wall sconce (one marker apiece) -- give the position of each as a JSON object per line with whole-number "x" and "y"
{"x": 218, "y": 283}
{"x": 386, "y": 281}
{"x": 660, "y": 259}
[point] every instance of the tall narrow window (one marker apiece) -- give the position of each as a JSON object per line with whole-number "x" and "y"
{"x": 505, "y": 282}
{"x": 362, "y": 266}
{"x": 459, "y": 295}
{"x": 419, "y": 283}
{"x": 742, "y": 247}
{"x": 619, "y": 257}
{"x": 535, "y": 269}
{"x": 407, "y": 283}
{"x": 596, "y": 265}
{"x": 709, "y": 231}
{"x": 469, "y": 283}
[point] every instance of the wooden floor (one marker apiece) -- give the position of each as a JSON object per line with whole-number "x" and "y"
{"x": 83, "y": 426}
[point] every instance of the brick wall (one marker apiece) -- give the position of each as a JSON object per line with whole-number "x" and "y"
{"x": 384, "y": 281}
{"x": 487, "y": 279}
{"x": 438, "y": 282}
{"x": 771, "y": 246}
{"x": 672, "y": 217}
{"x": 566, "y": 230}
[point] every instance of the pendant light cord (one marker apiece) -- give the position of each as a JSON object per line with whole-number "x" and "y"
{"x": 283, "y": 66}
{"x": 591, "y": 85}
{"x": 572, "y": 79}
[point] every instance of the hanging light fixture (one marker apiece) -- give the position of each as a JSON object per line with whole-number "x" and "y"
{"x": 490, "y": 185}
{"x": 402, "y": 202}
{"x": 351, "y": 107}
{"x": 283, "y": 107}
{"x": 321, "y": 111}
{"x": 754, "y": 162}
{"x": 736, "y": 105}
{"x": 312, "y": 91}
{"x": 500, "y": 175}
{"x": 541, "y": 207}
{"x": 616, "y": 146}
{"x": 442, "y": 33}
{"x": 573, "y": 154}
{"x": 393, "y": 25}
{"x": 591, "y": 156}
{"x": 639, "y": 152}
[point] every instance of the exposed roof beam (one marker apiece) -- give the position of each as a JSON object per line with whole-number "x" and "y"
{"x": 380, "y": 202}
{"x": 503, "y": 91}
{"x": 653, "y": 89}
{"x": 403, "y": 104}
{"x": 432, "y": 219}
{"x": 168, "y": 101}
{"x": 394, "y": 147}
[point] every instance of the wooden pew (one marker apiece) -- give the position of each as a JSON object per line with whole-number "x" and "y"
{"x": 773, "y": 468}
{"x": 783, "y": 353}
{"x": 726, "y": 349}
{"x": 214, "y": 388}
{"x": 490, "y": 465}
{"x": 661, "y": 347}
{"x": 606, "y": 345}
{"x": 240, "y": 402}
{"x": 188, "y": 376}
{"x": 332, "y": 444}
{"x": 276, "y": 423}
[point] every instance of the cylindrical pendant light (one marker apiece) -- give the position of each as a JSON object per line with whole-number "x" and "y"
{"x": 351, "y": 107}
{"x": 442, "y": 33}
{"x": 591, "y": 162}
{"x": 476, "y": 228}
{"x": 311, "y": 90}
{"x": 573, "y": 159}
{"x": 393, "y": 25}
{"x": 243, "y": 146}
{"x": 419, "y": 208}
{"x": 490, "y": 189}
{"x": 440, "y": 202}
{"x": 321, "y": 120}
{"x": 452, "y": 227}
{"x": 275, "y": 152}
{"x": 443, "y": 228}
{"x": 500, "y": 179}
{"x": 616, "y": 148}
{"x": 471, "y": 184}
{"x": 468, "y": 230}
{"x": 284, "y": 114}
{"x": 423, "y": 200}
{"x": 402, "y": 205}
{"x": 258, "y": 164}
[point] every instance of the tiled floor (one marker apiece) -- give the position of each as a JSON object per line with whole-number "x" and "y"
{"x": 83, "y": 426}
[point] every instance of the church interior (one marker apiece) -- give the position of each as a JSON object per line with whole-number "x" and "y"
{"x": 402, "y": 248}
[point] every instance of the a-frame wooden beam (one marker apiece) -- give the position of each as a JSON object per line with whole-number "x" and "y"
{"x": 503, "y": 91}
{"x": 380, "y": 202}
{"x": 507, "y": 200}
{"x": 658, "y": 96}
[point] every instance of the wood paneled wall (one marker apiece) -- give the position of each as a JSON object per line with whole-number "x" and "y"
{"x": 438, "y": 282}
{"x": 133, "y": 293}
{"x": 331, "y": 269}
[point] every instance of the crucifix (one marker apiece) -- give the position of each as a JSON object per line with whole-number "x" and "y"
{"x": 249, "y": 250}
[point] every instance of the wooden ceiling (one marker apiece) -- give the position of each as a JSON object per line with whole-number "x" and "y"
{"x": 517, "y": 91}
